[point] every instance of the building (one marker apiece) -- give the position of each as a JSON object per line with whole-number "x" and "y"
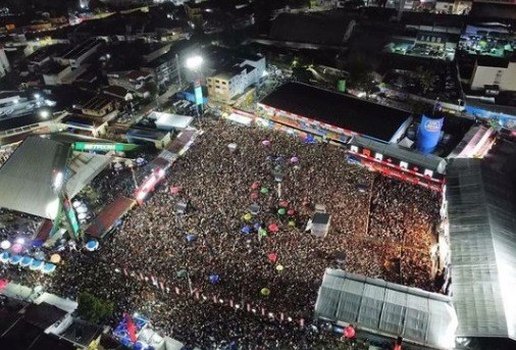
{"x": 165, "y": 68}
{"x": 331, "y": 116}
{"x": 494, "y": 73}
{"x": 37, "y": 59}
{"x": 481, "y": 197}
{"x": 228, "y": 83}
{"x": 83, "y": 124}
{"x": 4, "y": 63}
{"x": 55, "y": 73}
{"x": 135, "y": 81}
{"x": 30, "y": 328}
{"x": 98, "y": 106}
{"x": 74, "y": 56}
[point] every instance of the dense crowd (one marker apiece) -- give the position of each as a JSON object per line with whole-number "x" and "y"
{"x": 379, "y": 227}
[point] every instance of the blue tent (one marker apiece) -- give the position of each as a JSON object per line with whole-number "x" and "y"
{"x": 310, "y": 139}
{"x": 4, "y": 257}
{"x": 15, "y": 260}
{"x": 36, "y": 264}
{"x": 214, "y": 279}
{"x": 246, "y": 230}
{"x": 26, "y": 261}
{"x": 49, "y": 268}
{"x": 191, "y": 238}
{"x": 92, "y": 245}
{"x": 37, "y": 243}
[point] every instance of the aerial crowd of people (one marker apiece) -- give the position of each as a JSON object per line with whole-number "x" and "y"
{"x": 250, "y": 194}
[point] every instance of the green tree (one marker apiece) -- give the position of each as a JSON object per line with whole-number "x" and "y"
{"x": 93, "y": 309}
{"x": 361, "y": 75}
{"x": 426, "y": 78}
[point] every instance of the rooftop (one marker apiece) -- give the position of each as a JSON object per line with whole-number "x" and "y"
{"x": 27, "y": 176}
{"x": 78, "y": 50}
{"x": 386, "y": 308}
{"x": 97, "y": 102}
{"x": 374, "y": 120}
{"x": 481, "y": 197}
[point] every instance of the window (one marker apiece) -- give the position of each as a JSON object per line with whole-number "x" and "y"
{"x": 224, "y": 83}
{"x": 217, "y": 80}
{"x": 429, "y": 172}
{"x": 403, "y": 165}
{"x": 354, "y": 149}
{"x": 378, "y": 156}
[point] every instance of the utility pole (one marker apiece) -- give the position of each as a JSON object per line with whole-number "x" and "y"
{"x": 178, "y": 67}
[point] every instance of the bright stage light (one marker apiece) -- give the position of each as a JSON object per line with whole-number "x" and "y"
{"x": 194, "y": 62}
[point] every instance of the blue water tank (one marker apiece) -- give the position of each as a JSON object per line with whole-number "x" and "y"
{"x": 429, "y": 133}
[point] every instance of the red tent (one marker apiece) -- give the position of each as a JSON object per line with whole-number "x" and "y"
{"x": 273, "y": 257}
{"x": 349, "y": 332}
{"x": 273, "y": 227}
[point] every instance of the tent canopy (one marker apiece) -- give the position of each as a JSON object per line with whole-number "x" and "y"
{"x": 481, "y": 210}
{"x": 387, "y": 309}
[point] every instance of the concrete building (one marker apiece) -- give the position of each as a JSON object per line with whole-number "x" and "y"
{"x": 74, "y": 56}
{"x": 55, "y": 74}
{"x": 98, "y": 106}
{"x": 4, "y": 63}
{"x": 134, "y": 81}
{"x": 227, "y": 83}
{"x": 496, "y": 72}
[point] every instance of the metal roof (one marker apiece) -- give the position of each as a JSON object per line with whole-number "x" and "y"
{"x": 344, "y": 111}
{"x": 27, "y": 176}
{"x": 482, "y": 217}
{"x": 388, "y": 309}
{"x": 428, "y": 161}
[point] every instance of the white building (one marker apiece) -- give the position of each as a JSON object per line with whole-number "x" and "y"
{"x": 228, "y": 83}
{"x": 4, "y": 63}
{"x": 494, "y": 71}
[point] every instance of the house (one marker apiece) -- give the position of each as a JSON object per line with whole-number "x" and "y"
{"x": 134, "y": 81}
{"x": 98, "y": 106}
{"x": 227, "y": 83}
{"x": 74, "y": 56}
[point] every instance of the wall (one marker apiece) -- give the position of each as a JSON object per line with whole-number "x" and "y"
{"x": 487, "y": 76}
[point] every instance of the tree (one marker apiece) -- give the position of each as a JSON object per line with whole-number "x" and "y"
{"x": 361, "y": 76}
{"x": 426, "y": 78}
{"x": 93, "y": 309}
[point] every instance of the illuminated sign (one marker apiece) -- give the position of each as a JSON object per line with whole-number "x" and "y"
{"x": 87, "y": 146}
{"x": 70, "y": 215}
{"x": 433, "y": 125}
{"x": 198, "y": 93}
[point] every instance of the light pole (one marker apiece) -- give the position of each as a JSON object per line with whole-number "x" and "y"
{"x": 194, "y": 64}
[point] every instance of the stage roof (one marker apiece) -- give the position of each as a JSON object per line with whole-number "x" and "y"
{"x": 388, "y": 309}
{"x": 371, "y": 119}
{"x": 481, "y": 197}
{"x": 27, "y": 176}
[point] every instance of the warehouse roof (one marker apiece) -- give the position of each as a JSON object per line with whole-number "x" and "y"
{"x": 27, "y": 176}
{"x": 370, "y": 119}
{"x": 481, "y": 197}
{"x": 388, "y": 309}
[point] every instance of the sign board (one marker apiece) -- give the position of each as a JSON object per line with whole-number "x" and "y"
{"x": 87, "y": 146}
{"x": 198, "y": 93}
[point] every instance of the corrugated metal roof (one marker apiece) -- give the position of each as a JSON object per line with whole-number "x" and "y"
{"x": 26, "y": 178}
{"x": 388, "y": 309}
{"x": 482, "y": 218}
{"x": 428, "y": 161}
